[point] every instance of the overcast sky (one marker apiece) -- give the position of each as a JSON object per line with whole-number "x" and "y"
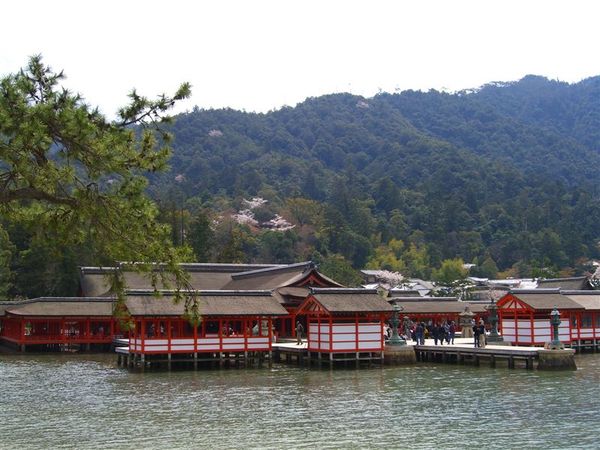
{"x": 261, "y": 55}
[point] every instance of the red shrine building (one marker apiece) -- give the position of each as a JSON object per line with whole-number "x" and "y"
{"x": 524, "y": 316}
{"x": 232, "y": 321}
{"x": 234, "y": 297}
{"x": 342, "y": 322}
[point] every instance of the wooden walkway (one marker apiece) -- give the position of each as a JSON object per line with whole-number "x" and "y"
{"x": 290, "y": 352}
{"x": 463, "y": 351}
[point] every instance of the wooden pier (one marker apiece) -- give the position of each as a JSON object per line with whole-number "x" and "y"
{"x": 525, "y": 357}
{"x": 291, "y": 353}
{"x": 137, "y": 361}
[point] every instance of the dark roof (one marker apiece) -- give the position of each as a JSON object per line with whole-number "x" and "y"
{"x": 545, "y": 299}
{"x": 64, "y": 306}
{"x": 5, "y": 305}
{"x": 418, "y": 298}
{"x": 95, "y": 281}
{"x": 437, "y": 306}
{"x": 574, "y": 283}
{"x": 346, "y": 300}
{"x": 272, "y": 278}
{"x": 291, "y": 291}
{"x": 210, "y": 303}
{"x": 404, "y": 293}
{"x": 589, "y": 300}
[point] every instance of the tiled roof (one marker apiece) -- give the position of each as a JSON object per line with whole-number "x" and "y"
{"x": 210, "y": 303}
{"x": 345, "y": 300}
{"x": 63, "y": 306}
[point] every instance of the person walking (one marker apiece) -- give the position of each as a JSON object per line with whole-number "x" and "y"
{"x": 299, "y": 331}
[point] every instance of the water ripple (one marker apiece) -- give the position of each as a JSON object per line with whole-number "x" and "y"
{"x": 82, "y": 401}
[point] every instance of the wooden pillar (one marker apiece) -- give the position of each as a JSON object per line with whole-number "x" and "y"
{"x": 270, "y": 325}
{"x": 143, "y": 335}
{"x": 331, "y": 336}
{"x": 356, "y": 350}
{"x": 382, "y": 322}
{"x": 169, "y": 334}
{"x": 195, "y": 342}
{"x": 531, "y": 327}
{"x": 221, "y": 337}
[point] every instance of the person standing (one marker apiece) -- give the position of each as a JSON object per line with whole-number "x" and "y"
{"x": 299, "y": 331}
{"x": 419, "y": 333}
{"x": 435, "y": 332}
{"x": 476, "y": 335}
{"x": 482, "y": 335}
{"x": 442, "y": 333}
{"x": 452, "y": 332}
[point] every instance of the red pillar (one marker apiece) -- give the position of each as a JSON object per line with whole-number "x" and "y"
{"x": 195, "y": 338}
{"x": 356, "y": 332}
{"x": 143, "y": 335}
{"x": 169, "y": 334}
{"x": 330, "y": 334}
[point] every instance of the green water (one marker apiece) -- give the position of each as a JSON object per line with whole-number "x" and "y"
{"x": 83, "y": 401}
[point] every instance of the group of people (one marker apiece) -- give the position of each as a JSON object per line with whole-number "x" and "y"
{"x": 419, "y": 331}
{"x": 440, "y": 332}
{"x": 444, "y": 331}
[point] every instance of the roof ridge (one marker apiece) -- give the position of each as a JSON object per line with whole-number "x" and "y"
{"x": 213, "y": 292}
{"x": 343, "y": 290}
{"x": 579, "y": 292}
{"x": 536, "y": 291}
{"x": 191, "y": 267}
{"x": 281, "y": 268}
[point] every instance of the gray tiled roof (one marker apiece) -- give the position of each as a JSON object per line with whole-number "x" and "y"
{"x": 210, "y": 303}
{"x": 345, "y": 300}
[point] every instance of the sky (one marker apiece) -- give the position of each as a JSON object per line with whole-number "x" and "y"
{"x": 262, "y": 55}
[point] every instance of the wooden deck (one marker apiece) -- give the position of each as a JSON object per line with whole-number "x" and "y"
{"x": 290, "y": 352}
{"x": 464, "y": 351}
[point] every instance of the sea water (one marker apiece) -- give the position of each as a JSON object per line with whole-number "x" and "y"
{"x": 87, "y": 402}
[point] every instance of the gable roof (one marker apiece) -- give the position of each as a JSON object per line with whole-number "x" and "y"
{"x": 543, "y": 299}
{"x": 271, "y": 278}
{"x": 95, "y": 281}
{"x": 210, "y": 303}
{"x": 63, "y": 306}
{"x": 346, "y": 300}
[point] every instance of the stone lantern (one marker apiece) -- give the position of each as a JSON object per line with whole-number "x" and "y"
{"x": 493, "y": 319}
{"x": 554, "y": 355}
{"x": 465, "y": 322}
{"x": 396, "y": 339}
{"x": 555, "y": 343}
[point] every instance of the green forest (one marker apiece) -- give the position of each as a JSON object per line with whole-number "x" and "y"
{"x": 504, "y": 177}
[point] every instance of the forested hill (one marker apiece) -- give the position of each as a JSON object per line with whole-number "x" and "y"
{"x": 506, "y": 174}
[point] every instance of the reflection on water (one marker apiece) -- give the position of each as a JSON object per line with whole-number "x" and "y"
{"x": 83, "y": 401}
